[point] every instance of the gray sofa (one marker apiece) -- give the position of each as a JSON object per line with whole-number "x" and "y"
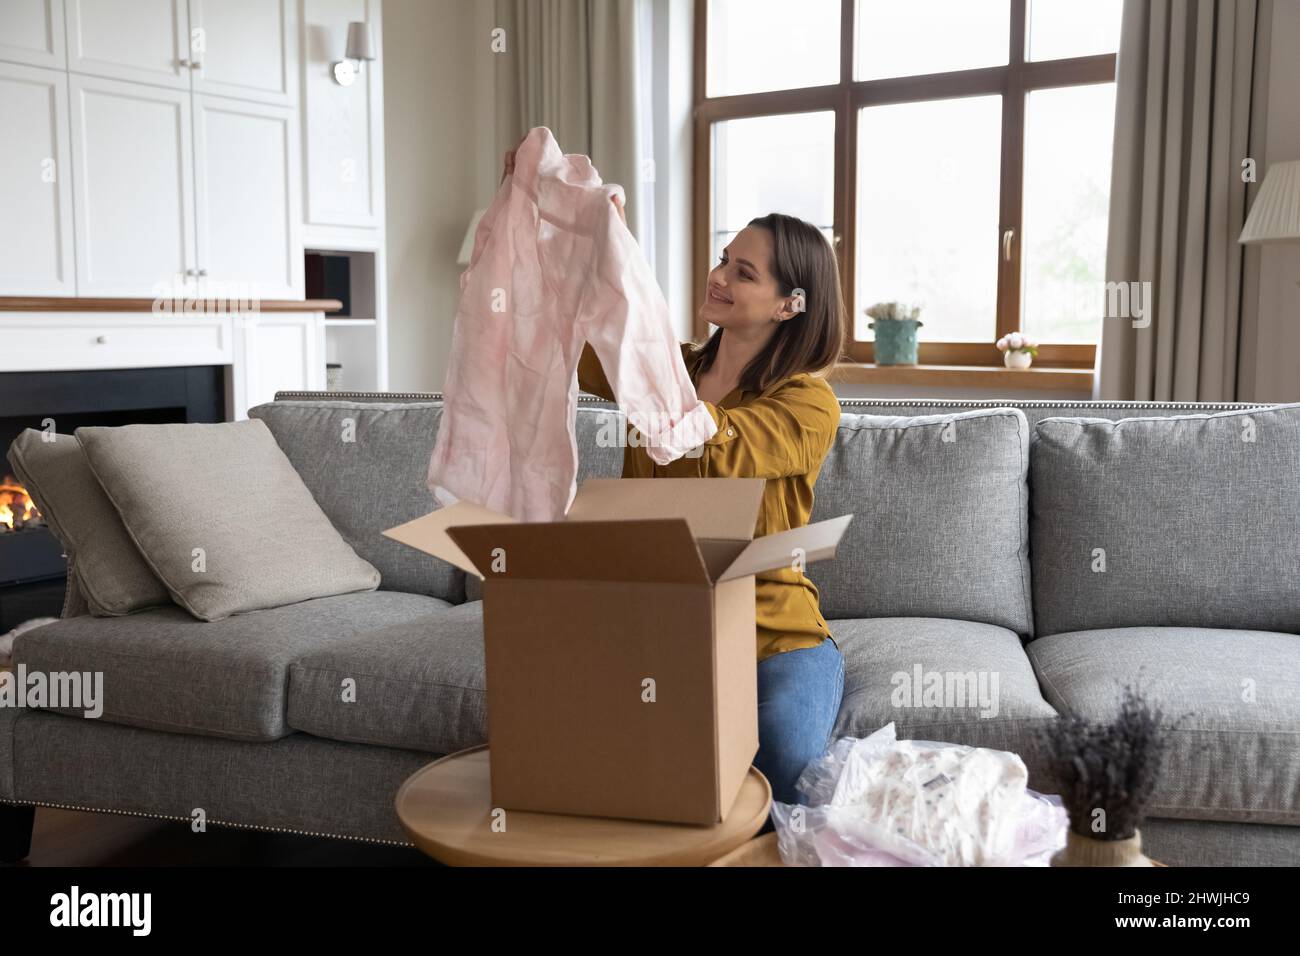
{"x": 974, "y": 551}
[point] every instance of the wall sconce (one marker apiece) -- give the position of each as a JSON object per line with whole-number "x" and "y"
{"x": 360, "y": 49}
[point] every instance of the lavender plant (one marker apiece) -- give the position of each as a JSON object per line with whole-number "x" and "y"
{"x": 1112, "y": 766}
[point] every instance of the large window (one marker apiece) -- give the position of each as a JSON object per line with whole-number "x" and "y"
{"x": 955, "y": 152}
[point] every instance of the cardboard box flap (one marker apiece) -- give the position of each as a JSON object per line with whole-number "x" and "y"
{"x": 659, "y": 550}
{"x": 718, "y": 554}
{"x": 817, "y": 541}
{"x": 429, "y": 534}
{"x": 713, "y": 507}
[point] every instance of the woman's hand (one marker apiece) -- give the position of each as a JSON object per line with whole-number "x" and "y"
{"x": 510, "y": 162}
{"x": 509, "y": 168}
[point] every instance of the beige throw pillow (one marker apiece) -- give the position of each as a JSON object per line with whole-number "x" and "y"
{"x": 222, "y": 517}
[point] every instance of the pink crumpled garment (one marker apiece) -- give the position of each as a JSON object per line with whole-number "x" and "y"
{"x": 553, "y": 266}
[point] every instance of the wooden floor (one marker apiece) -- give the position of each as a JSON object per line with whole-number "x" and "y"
{"x": 72, "y": 838}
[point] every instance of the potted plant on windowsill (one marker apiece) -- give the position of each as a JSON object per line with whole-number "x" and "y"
{"x": 1018, "y": 350}
{"x": 895, "y": 326}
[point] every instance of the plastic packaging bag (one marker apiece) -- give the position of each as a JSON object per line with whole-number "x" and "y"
{"x": 880, "y": 801}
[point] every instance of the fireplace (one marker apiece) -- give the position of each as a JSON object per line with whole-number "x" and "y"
{"x": 33, "y": 569}
{"x": 28, "y": 551}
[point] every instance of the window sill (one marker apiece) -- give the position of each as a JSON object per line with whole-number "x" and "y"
{"x": 964, "y": 376}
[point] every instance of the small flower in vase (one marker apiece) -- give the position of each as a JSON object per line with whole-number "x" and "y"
{"x": 1018, "y": 350}
{"x": 895, "y": 325}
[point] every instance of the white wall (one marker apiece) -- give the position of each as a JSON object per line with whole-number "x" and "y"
{"x": 433, "y": 169}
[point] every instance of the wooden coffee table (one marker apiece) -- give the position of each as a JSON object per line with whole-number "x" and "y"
{"x": 446, "y": 809}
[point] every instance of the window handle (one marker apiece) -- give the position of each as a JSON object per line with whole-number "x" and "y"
{"x": 1007, "y": 236}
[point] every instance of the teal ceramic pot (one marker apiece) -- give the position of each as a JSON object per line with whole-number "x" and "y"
{"x": 895, "y": 341}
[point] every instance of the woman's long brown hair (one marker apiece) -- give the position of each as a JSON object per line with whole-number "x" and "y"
{"x": 812, "y": 341}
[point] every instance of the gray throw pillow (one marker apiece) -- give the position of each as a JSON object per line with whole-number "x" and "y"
{"x": 221, "y": 516}
{"x": 1189, "y": 521}
{"x": 109, "y": 571}
{"x": 940, "y": 525}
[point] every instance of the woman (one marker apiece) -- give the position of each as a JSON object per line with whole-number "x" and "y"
{"x": 775, "y": 299}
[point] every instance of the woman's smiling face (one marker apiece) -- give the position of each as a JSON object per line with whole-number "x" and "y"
{"x": 741, "y": 290}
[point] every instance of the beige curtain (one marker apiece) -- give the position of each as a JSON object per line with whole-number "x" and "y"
{"x": 572, "y": 66}
{"x": 1178, "y": 202}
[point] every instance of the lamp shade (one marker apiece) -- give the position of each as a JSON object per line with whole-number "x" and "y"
{"x": 1275, "y": 217}
{"x": 360, "y": 46}
{"x": 467, "y": 246}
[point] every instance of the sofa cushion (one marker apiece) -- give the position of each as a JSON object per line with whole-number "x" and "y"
{"x": 110, "y": 572}
{"x": 366, "y": 464}
{"x": 221, "y": 516}
{"x": 1187, "y": 521}
{"x": 940, "y": 525}
{"x": 943, "y": 680}
{"x": 1035, "y": 410}
{"x": 1235, "y": 755}
{"x": 163, "y": 670}
{"x": 301, "y": 784}
{"x": 419, "y": 684}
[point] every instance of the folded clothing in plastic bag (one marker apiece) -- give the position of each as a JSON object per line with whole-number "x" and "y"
{"x": 880, "y": 801}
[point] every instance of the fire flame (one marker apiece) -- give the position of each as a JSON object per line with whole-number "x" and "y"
{"x": 16, "y": 506}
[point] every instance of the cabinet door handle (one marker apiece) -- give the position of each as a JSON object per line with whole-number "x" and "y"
{"x": 203, "y": 272}
{"x": 1007, "y": 236}
{"x": 191, "y": 272}
{"x": 184, "y": 64}
{"x": 101, "y": 339}
{"x": 196, "y": 65}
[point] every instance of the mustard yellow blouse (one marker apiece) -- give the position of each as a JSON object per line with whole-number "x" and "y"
{"x": 783, "y": 436}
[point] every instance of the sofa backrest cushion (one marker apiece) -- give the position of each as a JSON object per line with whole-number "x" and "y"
{"x": 108, "y": 569}
{"x": 366, "y": 465}
{"x": 221, "y": 516}
{"x": 1186, "y": 521}
{"x": 1035, "y": 410}
{"x": 941, "y": 518}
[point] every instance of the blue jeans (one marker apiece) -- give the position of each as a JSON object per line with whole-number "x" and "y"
{"x": 799, "y": 695}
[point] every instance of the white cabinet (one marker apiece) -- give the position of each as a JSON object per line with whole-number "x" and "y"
{"x": 185, "y": 190}
{"x": 342, "y": 125}
{"x": 274, "y": 351}
{"x": 36, "y": 254}
{"x": 146, "y": 41}
{"x": 189, "y": 148}
{"x": 31, "y": 31}
{"x": 246, "y": 49}
{"x": 248, "y": 208}
{"x": 133, "y": 168}
{"x": 55, "y": 341}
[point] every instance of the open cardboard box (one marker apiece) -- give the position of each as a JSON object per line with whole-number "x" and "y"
{"x": 620, "y": 642}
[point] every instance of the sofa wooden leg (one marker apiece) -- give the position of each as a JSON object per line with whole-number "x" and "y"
{"x": 15, "y": 832}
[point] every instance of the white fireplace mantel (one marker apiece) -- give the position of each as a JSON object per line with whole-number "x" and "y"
{"x": 265, "y": 346}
